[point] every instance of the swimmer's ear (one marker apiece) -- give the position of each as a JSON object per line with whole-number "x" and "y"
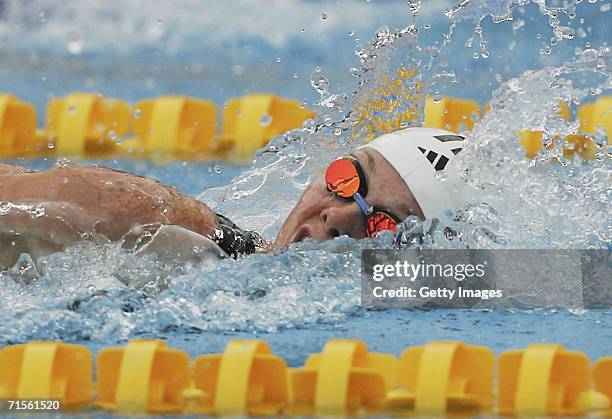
{"x": 171, "y": 242}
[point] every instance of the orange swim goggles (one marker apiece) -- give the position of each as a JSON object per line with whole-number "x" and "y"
{"x": 345, "y": 178}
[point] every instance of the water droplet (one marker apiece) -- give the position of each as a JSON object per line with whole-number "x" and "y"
{"x": 605, "y": 7}
{"x": 63, "y": 162}
{"x": 5, "y": 208}
{"x": 518, "y": 25}
{"x": 278, "y": 59}
{"x": 514, "y": 85}
{"x": 295, "y": 75}
{"x": 414, "y": 6}
{"x": 351, "y": 33}
{"x": 565, "y": 32}
{"x": 75, "y": 44}
{"x": 37, "y": 211}
{"x": 323, "y": 16}
{"x": 319, "y": 82}
{"x": 217, "y": 169}
{"x": 25, "y": 265}
{"x": 137, "y": 113}
{"x": 266, "y": 120}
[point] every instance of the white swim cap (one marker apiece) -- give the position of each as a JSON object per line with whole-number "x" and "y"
{"x": 420, "y": 156}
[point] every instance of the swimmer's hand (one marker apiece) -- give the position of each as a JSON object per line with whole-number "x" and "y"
{"x": 171, "y": 242}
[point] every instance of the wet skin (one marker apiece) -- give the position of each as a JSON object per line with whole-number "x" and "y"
{"x": 105, "y": 201}
{"x": 82, "y": 202}
{"x": 320, "y": 215}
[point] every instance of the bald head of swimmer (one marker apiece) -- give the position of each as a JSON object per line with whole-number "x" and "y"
{"x": 402, "y": 173}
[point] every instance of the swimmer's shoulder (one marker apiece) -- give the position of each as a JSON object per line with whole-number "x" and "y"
{"x": 9, "y": 170}
{"x": 120, "y": 179}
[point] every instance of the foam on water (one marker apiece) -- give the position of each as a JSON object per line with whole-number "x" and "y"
{"x": 103, "y": 293}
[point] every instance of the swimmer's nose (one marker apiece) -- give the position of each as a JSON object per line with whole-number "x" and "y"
{"x": 337, "y": 222}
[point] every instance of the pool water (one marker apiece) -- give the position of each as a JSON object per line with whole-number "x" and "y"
{"x": 336, "y": 57}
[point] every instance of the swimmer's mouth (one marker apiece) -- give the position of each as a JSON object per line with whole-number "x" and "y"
{"x": 302, "y": 234}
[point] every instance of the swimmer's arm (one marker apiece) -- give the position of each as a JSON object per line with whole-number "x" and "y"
{"x": 8, "y": 170}
{"x": 38, "y": 229}
{"x": 172, "y": 242}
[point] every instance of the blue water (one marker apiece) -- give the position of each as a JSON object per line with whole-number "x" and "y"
{"x": 311, "y": 292}
{"x": 394, "y": 330}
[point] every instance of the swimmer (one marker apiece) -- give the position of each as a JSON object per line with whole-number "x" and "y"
{"x": 359, "y": 195}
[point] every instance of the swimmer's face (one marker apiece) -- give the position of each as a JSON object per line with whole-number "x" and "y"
{"x": 320, "y": 215}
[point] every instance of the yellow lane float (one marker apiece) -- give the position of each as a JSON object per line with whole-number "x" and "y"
{"x": 176, "y": 125}
{"x": 592, "y": 117}
{"x": 602, "y": 375}
{"x": 450, "y": 113}
{"x": 89, "y": 125}
{"x": 145, "y": 376}
{"x": 251, "y": 121}
{"x": 546, "y": 379}
{"x": 597, "y": 115}
{"x": 84, "y": 124}
{"x": 47, "y": 370}
{"x": 444, "y": 377}
{"x": 246, "y": 379}
{"x": 17, "y": 126}
{"x": 437, "y": 379}
{"x": 343, "y": 379}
